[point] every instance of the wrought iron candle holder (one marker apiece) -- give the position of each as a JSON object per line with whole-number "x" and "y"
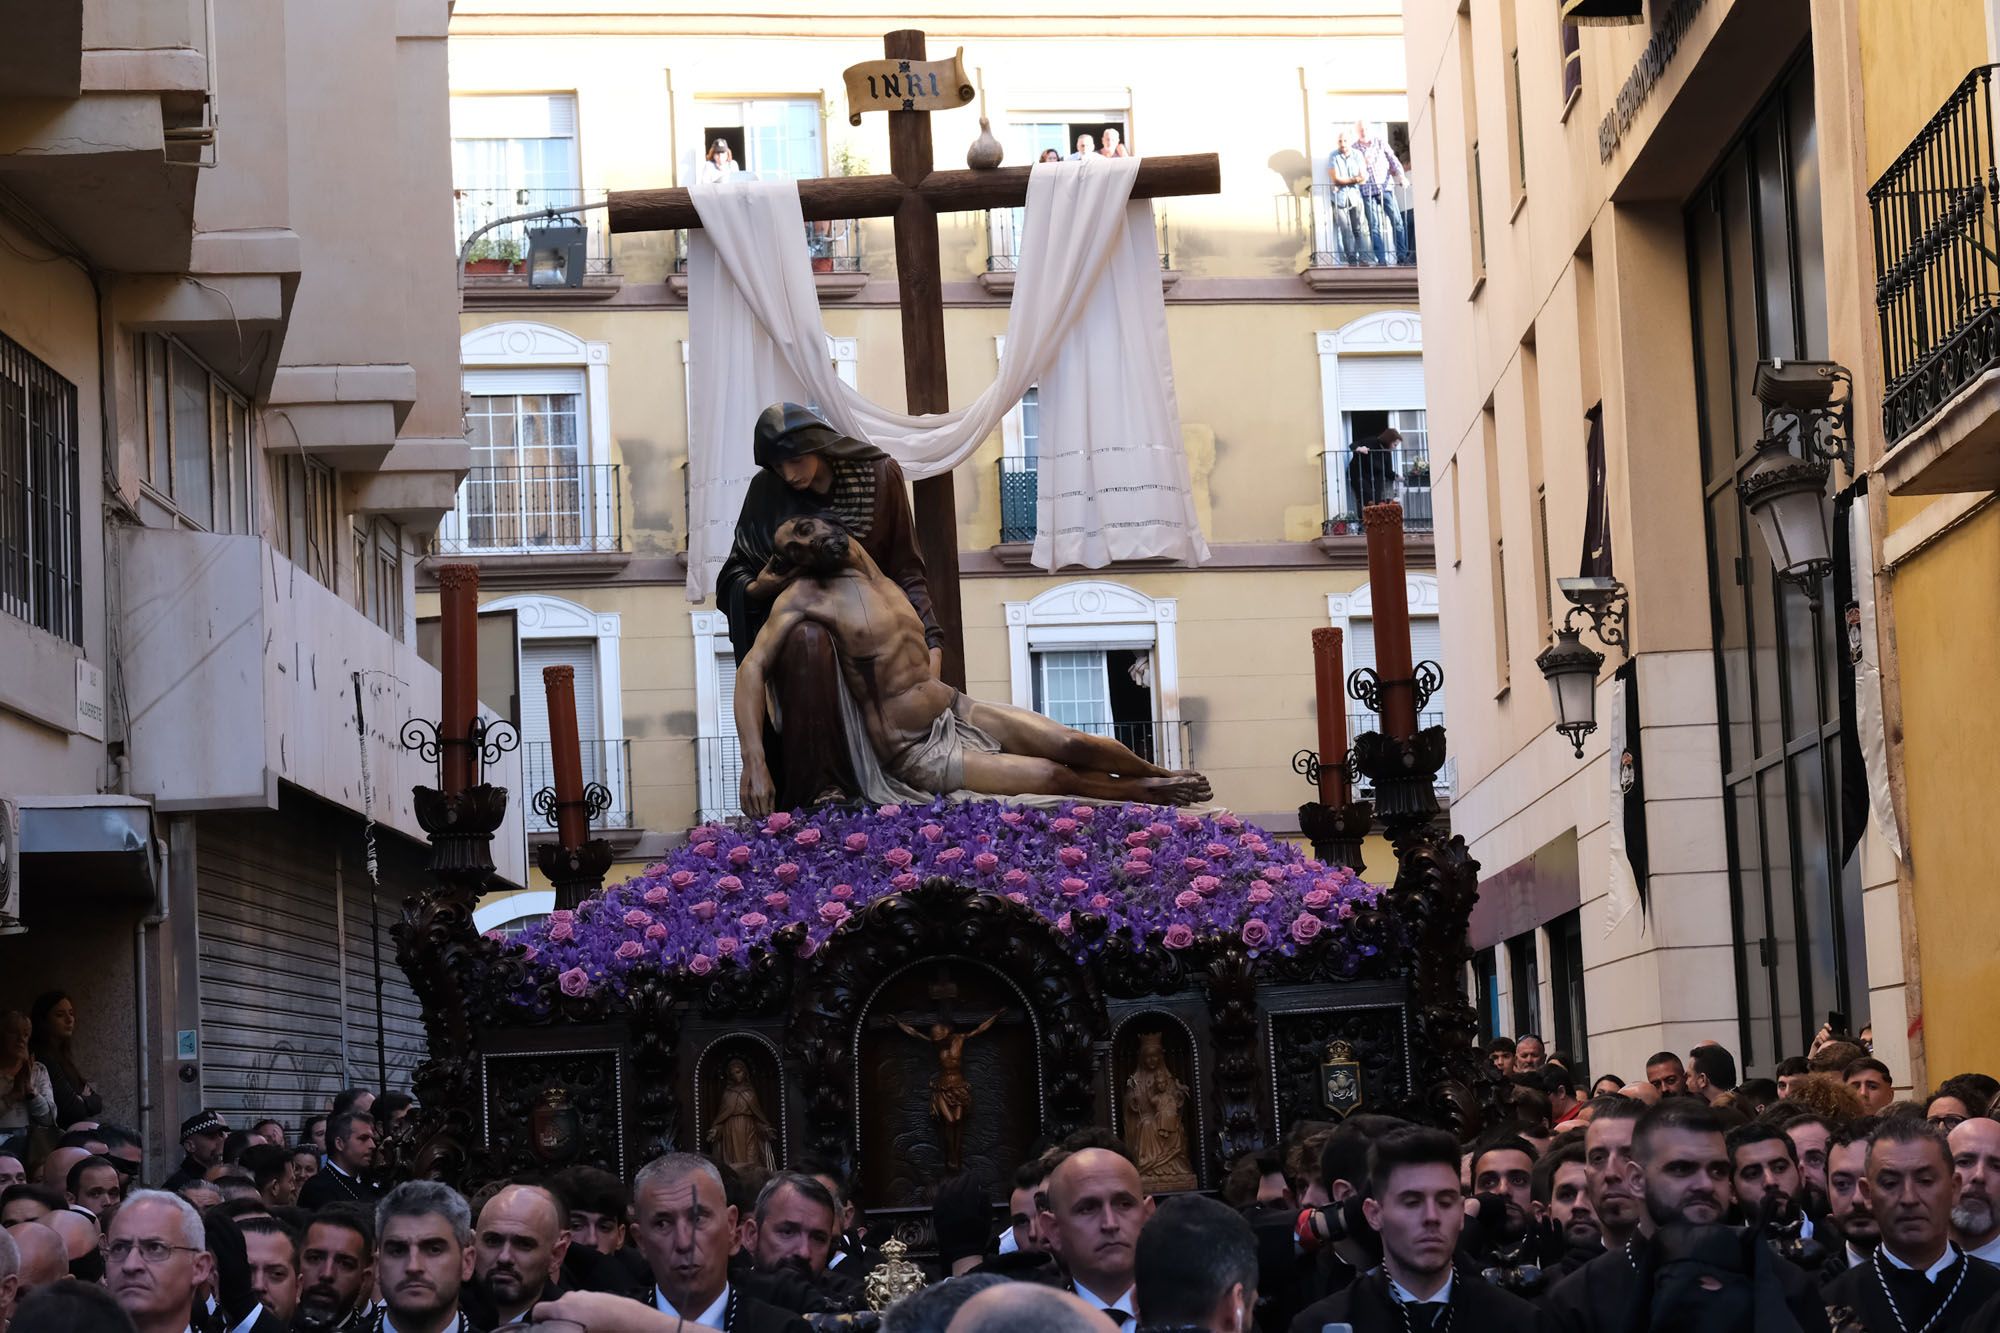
{"x": 577, "y": 872}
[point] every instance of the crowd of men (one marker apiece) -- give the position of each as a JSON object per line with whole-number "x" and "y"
{"x": 1684, "y": 1200}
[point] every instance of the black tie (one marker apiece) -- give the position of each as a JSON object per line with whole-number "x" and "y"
{"x": 1118, "y": 1317}
{"x": 1425, "y": 1315}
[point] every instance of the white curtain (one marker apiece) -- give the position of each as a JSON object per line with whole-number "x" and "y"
{"x": 1087, "y": 323}
{"x": 1868, "y": 723}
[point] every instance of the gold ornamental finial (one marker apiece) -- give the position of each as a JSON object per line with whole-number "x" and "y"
{"x": 894, "y": 1278}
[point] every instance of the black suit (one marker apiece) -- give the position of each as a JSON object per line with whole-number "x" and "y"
{"x": 1614, "y": 1293}
{"x": 1369, "y": 1307}
{"x": 747, "y": 1314}
{"x": 1860, "y": 1289}
{"x": 330, "y": 1186}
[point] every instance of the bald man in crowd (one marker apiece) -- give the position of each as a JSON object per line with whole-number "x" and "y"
{"x": 43, "y": 1257}
{"x": 1026, "y": 1307}
{"x": 1096, "y": 1208}
{"x": 518, "y": 1248}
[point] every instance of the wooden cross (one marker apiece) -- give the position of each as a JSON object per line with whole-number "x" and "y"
{"x": 913, "y": 193}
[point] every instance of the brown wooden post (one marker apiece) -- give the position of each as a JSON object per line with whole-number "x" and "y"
{"x": 920, "y": 287}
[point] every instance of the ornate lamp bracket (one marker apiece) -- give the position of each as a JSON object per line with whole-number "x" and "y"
{"x": 1808, "y": 410}
{"x": 1603, "y": 602}
{"x": 486, "y": 742}
{"x": 596, "y": 800}
{"x": 1365, "y": 687}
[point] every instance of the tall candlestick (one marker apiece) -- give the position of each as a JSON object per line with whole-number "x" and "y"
{"x": 458, "y": 604}
{"x": 1330, "y": 688}
{"x": 1391, "y": 618}
{"x": 566, "y": 755}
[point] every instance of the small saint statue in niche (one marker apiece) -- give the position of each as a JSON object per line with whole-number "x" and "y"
{"x": 951, "y": 1095}
{"x": 1153, "y": 1127}
{"x": 740, "y": 1135}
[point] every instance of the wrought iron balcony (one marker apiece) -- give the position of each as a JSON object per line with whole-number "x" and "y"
{"x": 1003, "y": 240}
{"x": 833, "y": 247}
{"x": 1349, "y": 231}
{"x": 1936, "y": 214}
{"x": 1018, "y": 490}
{"x": 607, "y": 762}
{"x": 504, "y": 250}
{"x": 1162, "y": 743}
{"x": 1359, "y": 722}
{"x": 545, "y": 509}
{"x": 1371, "y": 475}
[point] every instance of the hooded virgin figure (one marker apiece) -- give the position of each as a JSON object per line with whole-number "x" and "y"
{"x": 806, "y": 467}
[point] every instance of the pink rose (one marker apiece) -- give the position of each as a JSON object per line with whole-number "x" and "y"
{"x": 1015, "y": 876}
{"x": 1065, "y": 925}
{"x": 1136, "y": 868}
{"x": 656, "y": 932}
{"x": 703, "y": 910}
{"x": 701, "y": 965}
{"x": 562, "y": 931}
{"x": 903, "y": 883}
{"x": 806, "y": 837}
{"x": 808, "y": 947}
{"x": 705, "y": 849}
{"x": 1064, "y": 826}
{"x": 1178, "y": 936}
{"x": 1160, "y": 830}
{"x": 777, "y": 902}
{"x": 1194, "y": 865}
{"x": 1100, "y": 903}
{"x": 1072, "y": 856}
{"x": 842, "y": 891}
{"x": 1020, "y": 898}
{"x": 1011, "y": 817}
{"x": 1138, "y": 838}
{"x": 1187, "y": 900}
{"x": 1205, "y": 885}
{"x": 729, "y": 884}
{"x": 889, "y": 811}
{"x": 1141, "y": 853}
{"x": 932, "y": 833}
{"x": 631, "y": 949}
{"x": 726, "y": 946}
{"x": 855, "y": 842}
{"x": 657, "y": 895}
{"x": 1317, "y": 899}
{"x": 951, "y": 855}
{"x": 493, "y": 935}
{"x": 1217, "y": 849}
{"x": 1247, "y": 840}
{"x": 985, "y": 863}
{"x": 1187, "y": 823}
{"x": 787, "y": 872}
{"x": 562, "y": 914}
{"x": 1346, "y": 911}
{"x": 834, "y": 913}
{"x": 1274, "y": 873}
{"x": 574, "y": 982}
{"x": 638, "y": 919}
{"x": 1085, "y": 813}
{"x": 1259, "y": 895}
{"x": 739, "y": 856}
{"x": 655, "y": 870}
{"x": 778, "y": 822}
{"x": 529, "y": 953}
{"x": 1228, "y": 823}
{"x": 754, "y": 920}
{"x": 898, "y": 857}
{"x": 1072, "y": 886}
{"x": 1255, "y": 933}
{"x": 1305, "y": 926}
{"x": 683, "y": 878}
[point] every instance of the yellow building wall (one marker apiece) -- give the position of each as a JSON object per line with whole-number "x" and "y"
{"x": 1912, "y": 56}
{"x": 1947, "y": 610}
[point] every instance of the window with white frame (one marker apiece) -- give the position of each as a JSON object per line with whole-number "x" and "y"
{"x": 198, "y": 446}
{"x": 1104, "y": 659}
{"x": 511, "y": 153}
{"x": 1020, "y": 455}
{"x": 1353, "y": 614}
{"x": 1027, "y": 136}
{"x": 773, "y": 138}
{"x": 556, "y": 632}
{"x": 1371, "y": 383}
{"x": 718, "y": 755}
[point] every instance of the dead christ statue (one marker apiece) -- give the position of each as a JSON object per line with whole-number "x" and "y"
{"x": 926, "y": 734}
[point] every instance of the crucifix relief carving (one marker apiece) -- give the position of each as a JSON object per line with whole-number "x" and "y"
{"x": 913, "y": 194}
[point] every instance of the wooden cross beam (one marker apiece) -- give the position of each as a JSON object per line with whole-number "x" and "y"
{"x": 913, "y": 193}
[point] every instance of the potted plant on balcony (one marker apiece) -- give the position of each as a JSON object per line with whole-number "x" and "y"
{"x": 1417, "y": 495}
{"x": 491, "y": 254}
{"x": 1340, "y": 525}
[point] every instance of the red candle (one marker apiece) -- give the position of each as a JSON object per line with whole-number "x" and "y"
{"x": 458, "y": 604}
{"x": 566, "y": 756}
{"x": 1386, "y": 577}
{"x": 1330, "y": 686}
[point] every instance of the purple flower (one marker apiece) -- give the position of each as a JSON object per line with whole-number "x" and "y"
{"x": 1255, "y": 933}
{"x": 1072, "y": 856}
{"x": 841, "y": 892}
{"x": 898, "y": 857}
{"x": 1194, "y": 865}
{"x": 1100, "y": 903}
{"x": 706, "y": 849}
{"x": 562, "y": 932}
{"x": 1317, "y": 899}
{"x": 631, "y": 949}
{"x": 932, "y": 833}
{"x": 574, "y": 982}
{"x": 1186, "y": 822}
{"x": 562, "y": 914}
{"x": 777, "y": 902}
{"x": 682, "y": 878}
{"x": 638, "y": 919}
{"x": 1228, "y": 823}
{"x": 701, "y": 965}
{"x": 951, "y": 855}
{"x": 903, "y": 883}
{"x": 1015, "y": 876}
{"x": 1217, "y": 849}
{"x": 1275, "y": 874}
{"x": 1306, "y": 927}
{"x": 1136, "y": 868}
{"x": 1064, "y": 924}
{"x": 1160, "y": 830}
{"x": 889, "y": 811}
{"x": 1072, "y": 887}
{"x": 806, "y": 837}
{"x": 1258, "y": 896}
{"x": 725, "y": 946}
{"x": 1205, "y": 885}
{"x": 656, "y": 932}
{"x": 1187, "y": 900}
{"x": 1138, "y": 838}
{"x": 1020, "y": 898}
{"x": 1084, "y": 813}
{"x": 754, "y": 921}
{"x": 1012, "y": 818}
{"x": 1064, "y": 826}
{"x": 856, "y": 842}
{"x": 1178, "y": 936}
{"x": 834, "y": 913}
{"x": 728, "y": 884}
{"x": 657, "y": 895}
{"x": 703, "y": 910}
{"x": 985, "y": 863}
{"x": 787, "y": 872}
{"x": 739, "y": 855}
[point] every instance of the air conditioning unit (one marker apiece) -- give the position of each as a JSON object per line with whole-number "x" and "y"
{"x": 10, "y": 869}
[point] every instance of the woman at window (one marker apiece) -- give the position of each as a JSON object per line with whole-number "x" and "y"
{"x": 1112, "y": 147}
{"x": 719, "y": 164}
{"x": 1051, "y": 155}
{"x": 54, "y": 1025}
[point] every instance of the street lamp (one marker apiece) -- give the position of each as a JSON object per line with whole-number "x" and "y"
{"x": 1571, "y": 670}
{"x": 555, "y": 256}
{"x": 1784, "y": 484}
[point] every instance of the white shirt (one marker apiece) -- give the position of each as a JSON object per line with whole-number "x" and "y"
{"x": 709, "y": 1318}
{"x": 1096, "y": 1302}
{"x": 1855, "y": 1258}
{"x": 1945, "y": 1261}
{"x": 1990, "y": 1251}
{"x": 1402, "y": 1295}
{"x": 457, "y": 1324}
{"x": 248, "y": 1320}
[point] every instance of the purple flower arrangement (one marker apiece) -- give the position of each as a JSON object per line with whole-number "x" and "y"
{"x": 1156, "y": 876}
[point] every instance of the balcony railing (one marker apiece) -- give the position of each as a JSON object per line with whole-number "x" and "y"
{"x": 1162, "y": 743}
{"x": 607, "y": 762}
{"x": 833, "y": 247}
{"x": 1003, "y": 240}
{"x": 554, "y": 508}
{"x": 1018, "y": 483}
{"x": 1349, "y": 231}
{"x": 1358, "y": 477}
{"x": 1937, "y": 224}
{"x": 504, "y": 250}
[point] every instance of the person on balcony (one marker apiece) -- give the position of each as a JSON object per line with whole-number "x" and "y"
{"x": 1345, "y": 170}
{"x": 808, "y": 467}
{"x": 1086, "y": 146}
{"x": 718, "y": 164}
{"x": 1384, "y": 172}
{"x": 1113, "y": 148}
{"x": 1371, "y": 469}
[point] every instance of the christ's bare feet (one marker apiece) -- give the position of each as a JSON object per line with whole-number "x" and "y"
{"x": 1186, "y": 787}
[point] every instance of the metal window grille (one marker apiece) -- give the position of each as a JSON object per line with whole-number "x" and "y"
{"x": 41, "y": 542}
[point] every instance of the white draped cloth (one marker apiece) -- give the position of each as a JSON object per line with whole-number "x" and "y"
{"x": 1087, "y": 324}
